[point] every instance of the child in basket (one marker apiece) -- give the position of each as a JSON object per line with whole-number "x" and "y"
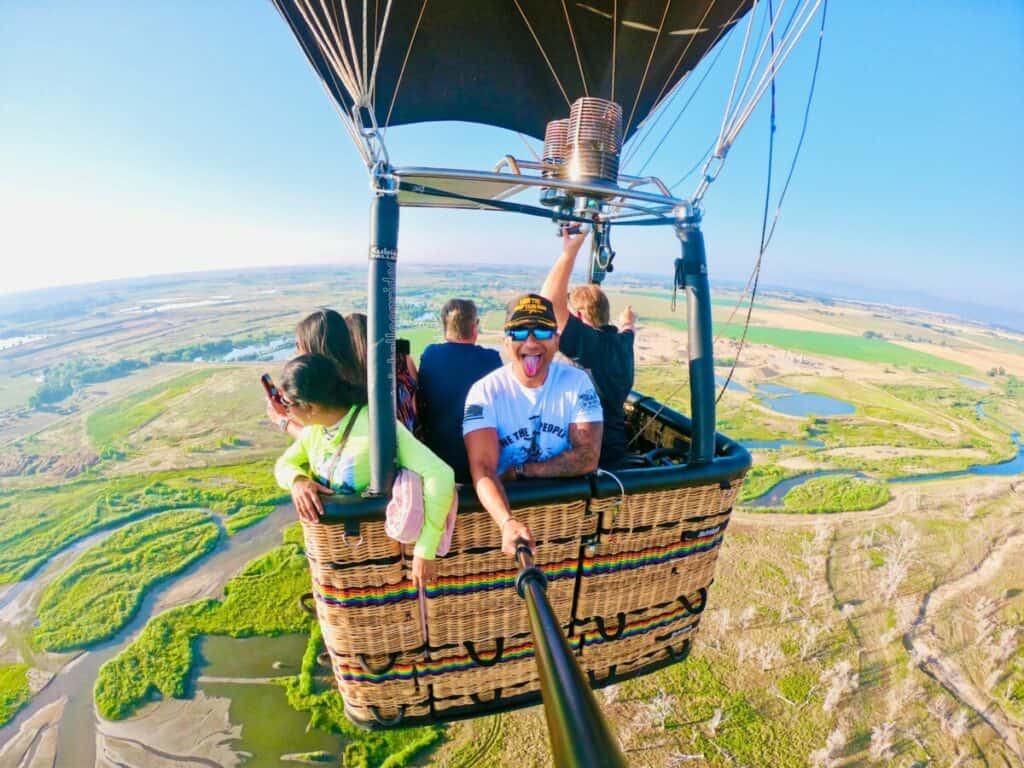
{"x": 331, "y": 454}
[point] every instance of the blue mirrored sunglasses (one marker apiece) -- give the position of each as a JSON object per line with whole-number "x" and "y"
{"x": 540, "y": 334}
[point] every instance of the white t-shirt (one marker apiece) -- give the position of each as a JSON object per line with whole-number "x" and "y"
{"x": 532, "y": 424}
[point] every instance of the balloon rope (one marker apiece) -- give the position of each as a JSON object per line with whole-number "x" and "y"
{"x": 764, "y": 221}
{"x": 543, "y": 53}
{"x": 379, "y": 45}
{"x": 572, "y": 36}
{"x": 401, "y": 72}
{"x": 339, "y": 88}
{"x": 766, "y": 239}
{"x": 647, "y": 69}
{"x": 658, "y": 113}
{"x": 782, "y": 54}
{"x": 352, "y": 47}
{"x": 682, "y": 111}
{"x": 615, "y": 42}
{"x": 696, "y": 33}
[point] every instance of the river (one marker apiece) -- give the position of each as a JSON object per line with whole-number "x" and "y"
{"x": 77, "y": 733}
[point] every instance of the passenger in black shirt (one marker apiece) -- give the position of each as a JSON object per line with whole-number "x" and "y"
{"x": 447, "y": 371}
{"x": 587, "y": 338}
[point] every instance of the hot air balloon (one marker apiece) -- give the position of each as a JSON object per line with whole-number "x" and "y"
{"x": 624, "y": 560}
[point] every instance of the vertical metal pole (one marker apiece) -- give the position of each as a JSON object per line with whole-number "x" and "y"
{"x": 694, "y": 275}
{"x": 579, "y": 735}
{"x": 380, "y": 332}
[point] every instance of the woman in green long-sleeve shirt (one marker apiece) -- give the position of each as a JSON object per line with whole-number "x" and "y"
{"x": 328, "y": 407}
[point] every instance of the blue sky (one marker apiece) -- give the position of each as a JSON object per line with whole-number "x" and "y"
{"x": 143, "y": 138}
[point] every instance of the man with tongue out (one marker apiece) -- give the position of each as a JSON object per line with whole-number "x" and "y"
{"x": 531, "y": 418}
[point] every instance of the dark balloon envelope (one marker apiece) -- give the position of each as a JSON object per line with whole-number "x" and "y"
{"x": 515, "y": 64}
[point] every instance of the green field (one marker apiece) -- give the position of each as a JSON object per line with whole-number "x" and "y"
{"x": 109, "y": 425}
{"x": 103, "y": 589}
{"x": 835, "y": 345}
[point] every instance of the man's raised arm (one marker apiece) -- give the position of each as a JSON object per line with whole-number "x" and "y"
{"x": 556, "y": 284}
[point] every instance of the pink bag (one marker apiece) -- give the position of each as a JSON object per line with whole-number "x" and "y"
{"x": 405, "y": 512}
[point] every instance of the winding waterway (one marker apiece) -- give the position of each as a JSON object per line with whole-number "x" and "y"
{"x": 77, "y": 737}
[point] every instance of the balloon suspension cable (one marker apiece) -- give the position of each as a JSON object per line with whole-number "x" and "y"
{"x": 767, "y": 233}
{"x": 743, "y": 100}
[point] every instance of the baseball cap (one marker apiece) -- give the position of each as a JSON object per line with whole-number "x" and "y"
{"x": 530, "y": 310}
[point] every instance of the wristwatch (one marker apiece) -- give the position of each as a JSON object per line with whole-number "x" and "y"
{"x": 519, "y": 471}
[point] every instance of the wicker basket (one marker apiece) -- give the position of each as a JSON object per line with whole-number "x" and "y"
{"x": 612, "y": 565}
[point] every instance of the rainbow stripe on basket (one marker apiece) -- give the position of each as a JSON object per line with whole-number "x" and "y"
{"x": 629, "y": 561}
{"x": 356, "y": 674}
{"x": 363, "y": 597}
{"x": 632, "y": 629}
{"x": 448, "y": 586}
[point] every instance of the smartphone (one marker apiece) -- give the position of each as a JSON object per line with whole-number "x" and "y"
{"x": 402, "y": 347}
{"x": 570, "y": 228}
{"x": 270, "y": 389}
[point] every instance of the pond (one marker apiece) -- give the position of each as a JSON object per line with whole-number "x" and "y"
{"x": 271, "y": 728}
{"x": 251, "y": 657}
{"x": 973, "y": 382}
{"x": 795, "y": 403}
{"x": 236, "y": 668}
{"x": 734, "y": 386}
{"x": 774, "y": 445}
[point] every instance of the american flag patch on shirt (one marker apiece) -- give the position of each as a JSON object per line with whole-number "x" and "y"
{"x": 473, "y": 413}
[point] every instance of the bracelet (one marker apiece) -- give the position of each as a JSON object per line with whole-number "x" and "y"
{"x": 501, "y": 527}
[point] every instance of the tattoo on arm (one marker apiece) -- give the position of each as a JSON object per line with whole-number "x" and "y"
{"x": 581, "y": 459}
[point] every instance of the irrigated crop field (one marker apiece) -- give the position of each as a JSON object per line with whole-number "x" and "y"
{"x": 867, "y": 609}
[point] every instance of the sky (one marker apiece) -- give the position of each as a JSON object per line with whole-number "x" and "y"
{"x": 158, "y": 137}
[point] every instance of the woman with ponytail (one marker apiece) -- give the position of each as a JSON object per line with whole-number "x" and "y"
{"x": 331, "y": 453}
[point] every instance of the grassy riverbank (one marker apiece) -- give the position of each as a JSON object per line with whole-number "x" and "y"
{"x": 836, "y": 494}
{"x": 260, "y": 600}
{"x": 103, "y": 589}
{"x": 40, "y": 522}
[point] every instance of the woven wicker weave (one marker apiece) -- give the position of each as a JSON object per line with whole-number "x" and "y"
{"x": 611, "y": 563}
{"x": 371, "y": 630}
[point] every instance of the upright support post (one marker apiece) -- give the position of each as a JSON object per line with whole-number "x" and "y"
{"x": 580, "y": 737}
{"x": 692, "y": 274}
{"x": 380, "y": 332}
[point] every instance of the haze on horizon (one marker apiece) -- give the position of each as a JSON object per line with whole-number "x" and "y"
{"x": 217, "y": 149}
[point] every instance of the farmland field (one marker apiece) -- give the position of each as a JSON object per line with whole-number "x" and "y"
{"x": 857, "y": 621}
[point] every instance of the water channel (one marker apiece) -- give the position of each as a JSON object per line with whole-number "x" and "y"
{"x": 77, "y": 732}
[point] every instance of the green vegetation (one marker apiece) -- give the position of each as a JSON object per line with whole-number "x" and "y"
{"x": 761, "y": 478}
{"x": 749, "y": 733}
{"x": 103, "y": 589}
{"x": 836, "y": 494}
{"x": 871, "y": 350}
{"x": 260, "y": 600}
{"x": 44, "y": 521}
{"x": 109, "y": 425}
{"x": 214, "y": 350}
{"x": 14, "y": 690}
{"x": 60, "y": 381}
{"x": 390, "y": 749}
